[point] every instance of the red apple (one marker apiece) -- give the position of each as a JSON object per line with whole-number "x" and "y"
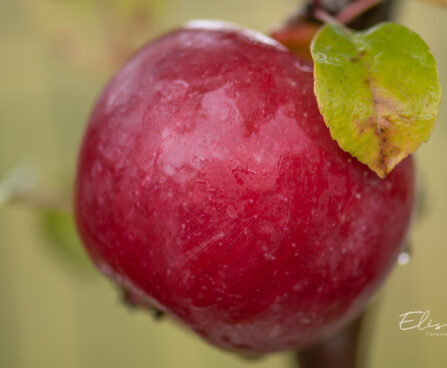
{"x": 209, "y": 186}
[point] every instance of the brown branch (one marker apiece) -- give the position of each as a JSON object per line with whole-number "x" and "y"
{"x": 338, "y": 351}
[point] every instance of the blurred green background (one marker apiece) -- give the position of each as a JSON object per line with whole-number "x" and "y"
{"x": 55, "y": 310}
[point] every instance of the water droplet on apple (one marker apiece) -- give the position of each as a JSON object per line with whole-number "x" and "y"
{"x": 403, "y": 259}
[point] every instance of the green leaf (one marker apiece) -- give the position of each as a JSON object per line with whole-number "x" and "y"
{"x": 63, "y": 240}
{"x": 378, "y": 91}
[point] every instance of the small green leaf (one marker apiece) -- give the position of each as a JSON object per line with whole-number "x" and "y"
{"x": 63, "y": 240}
{"x": 378, "y": 91}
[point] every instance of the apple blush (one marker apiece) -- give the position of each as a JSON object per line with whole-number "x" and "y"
{"x": 209, "y": 186}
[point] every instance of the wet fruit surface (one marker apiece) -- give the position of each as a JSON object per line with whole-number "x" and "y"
{"x": 209, "y": 185}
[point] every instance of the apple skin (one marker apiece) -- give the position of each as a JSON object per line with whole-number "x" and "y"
{"x": 208, "y": 185}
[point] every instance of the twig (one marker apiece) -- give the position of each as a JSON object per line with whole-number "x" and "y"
{"x": 358, "y": 14}
{"x": 44, "y": 200}
{"x": 338, "y": 351}
{"x": 325, "y": 17}
{"x": 19, "y": 186}
{"x": 355, "y": 9}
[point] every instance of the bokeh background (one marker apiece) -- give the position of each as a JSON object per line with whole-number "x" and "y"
{"x": 55, "y": 310}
